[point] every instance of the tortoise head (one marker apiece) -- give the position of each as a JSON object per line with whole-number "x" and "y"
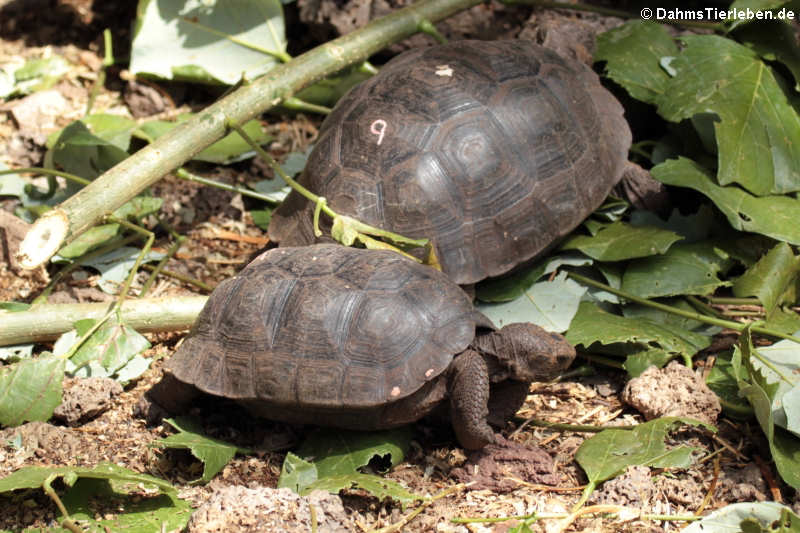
{"x": 526, "y": 352}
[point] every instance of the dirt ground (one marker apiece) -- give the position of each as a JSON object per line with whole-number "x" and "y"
{"x": 532, "y": 469}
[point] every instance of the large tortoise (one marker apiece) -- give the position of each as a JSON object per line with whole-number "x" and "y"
{"x": 358, "y": 339}
{"x": 493, "y": 149}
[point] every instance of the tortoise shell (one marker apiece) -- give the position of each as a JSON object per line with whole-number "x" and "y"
{"x": 493, "y": 149}
{"x": 326, "y": 328}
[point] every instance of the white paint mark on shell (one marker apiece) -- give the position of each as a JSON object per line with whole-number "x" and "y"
{"x": 378, "y": 128}
{"x": 429, "y": 373}
{"x": 444, "y": 70}
{"x": 395, "y": 391}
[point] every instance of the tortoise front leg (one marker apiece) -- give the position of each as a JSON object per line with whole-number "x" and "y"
{"x": 469, "y": 399}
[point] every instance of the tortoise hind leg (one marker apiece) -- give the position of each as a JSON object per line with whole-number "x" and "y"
{"x": 469, "y": 399}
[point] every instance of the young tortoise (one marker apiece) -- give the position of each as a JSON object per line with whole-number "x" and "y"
{"x": 357, "y": 339}
{"x": 493, "y": 149}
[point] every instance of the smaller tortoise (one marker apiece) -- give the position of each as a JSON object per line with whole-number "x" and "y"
{"x": 356, "y": 339}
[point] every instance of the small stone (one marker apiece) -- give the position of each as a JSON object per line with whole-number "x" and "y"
{"x": 86, "y": 398}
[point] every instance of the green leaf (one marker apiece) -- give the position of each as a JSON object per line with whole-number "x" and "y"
{"x": 639, "y": 362}
{"x": 115, "y": 129}
{"x": 683, "y": 269}
{"x": 78, "y": 151}
{"x": 337, "y": 452}
{"x": 512, "y": 286}
{"x": 773, "y": 40}
{"x": 213, "y": 453}
{"x": 89, "y": 240}
{"x": 611, "y": 451}
{"x": 592, "y": 324}
{"x": 549, "y": 304}
{"x": 722, "y": 381}
{"x": 693, "y": 227}
{"x": 108, "y": 349}
{"x": 232, "y": 147}
{"x": 261, "y": 218}
{"x": 774, "y": 216}
{"x": 36, "y": 74}
{"x": 377, "y": 486}
{"x": 139, "y": 207}
{"x": 31, "y": 477}
{"x": 728, "y": 519}
{"x": 133, "y": 512}
{"x": 759, "y": 133}
{"x": 30, "y": 389}
{"x": 618, "y": 241}
{"x": 194, "y": 40}
{"x": 633, "y": 54}
{"x": 229, "y": 149}
{"x": 14, "y": 307}
{"x": 15, "y": 353}
{"x": 769, "y": 278}
{"x": 296, "y": 473}
{"x": 633, "y": 310}
{"x": 784, "y": 320}
{"x": 115, "y": 266}
{"x": 779, "y": 365}
{"x": 784, "y": 446}
{"x": 339, "y": 456}
{"x": 328, "y": 91}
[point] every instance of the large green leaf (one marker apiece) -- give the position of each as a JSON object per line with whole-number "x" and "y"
{"x": 30, "y": 389}
{"x": 774, "y": 216}
{"x": 773, "y": 39}
{"x": 194, "y": 40}
{"x": 591, "y": 324}
{"x": 339, "y": 455}
{"x": 78, "y": 151}
{"x": 611, "y": 451}
{"x": 134, "y": 512}
{"x": 683, "y": 269}
{"x": 549, "y": 304}
{"x": 770, "y": 277}
{"x": 618, "y": 241}
{"x": 758, "y": 135}
{"x": 31, "y": 477}
{"x": 633, "y": 53}
{"x": 213, "y": 453}
{"x": 109, "y": 349}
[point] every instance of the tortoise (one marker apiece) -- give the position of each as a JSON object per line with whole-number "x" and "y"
{"x": 492, "y": 149}
{"x": 358, "y": 339}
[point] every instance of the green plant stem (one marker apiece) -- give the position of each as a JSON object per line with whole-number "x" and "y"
{"x": 734, "y": 312}
{"x": 543, "y": 516}
{"x": 296, "y": 104}
{"x": 48, "y": 172}
{"x": 159, "y": 268}
{"x": 721, "y": 300}
{"x": 291, "y": 182}
{"x": 700, "y": 305}
{"x": 426, "y": 26}
{"x": 577, "y": 428}
{"x": 736, "y": 408}
{"x": 737, "y": 326}
{"x": 186, "y": 175}
{"x": 67, "y": 521}
{"x": 139, "y": 258}
{"x": 180, "y": 277}
{"x": 599, "y": 359}
{"x": 108, "y": 60}
{"x": 45, "y": 322}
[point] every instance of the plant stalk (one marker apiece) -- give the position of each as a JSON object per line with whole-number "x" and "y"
{"x": 46, "y": 322}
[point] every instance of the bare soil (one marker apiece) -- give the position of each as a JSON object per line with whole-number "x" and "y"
{"x": 530, "y": 469}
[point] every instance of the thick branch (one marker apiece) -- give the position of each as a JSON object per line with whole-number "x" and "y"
{"x": 47, "y": 322}
{"x": 128, "y": 178}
